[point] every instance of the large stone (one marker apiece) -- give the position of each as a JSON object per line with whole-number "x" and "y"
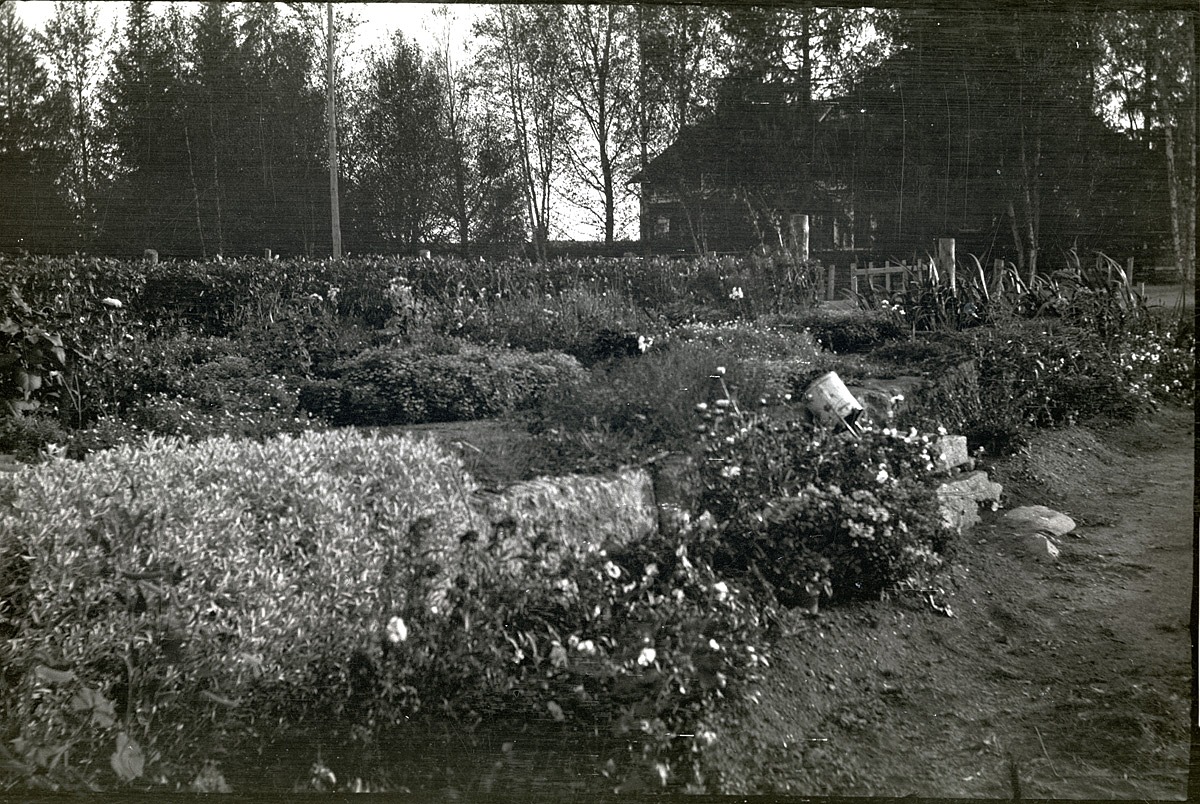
{"x": 952, "y": 449}
{"x": 582, "y": 513}
{"x": 960, "y": 499}
{"x": 1040, "y": 519}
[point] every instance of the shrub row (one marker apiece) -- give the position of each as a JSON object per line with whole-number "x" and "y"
{"x": 390, "y": 386}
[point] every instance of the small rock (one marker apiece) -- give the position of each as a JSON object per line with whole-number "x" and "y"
{"x": 1040, "y": 518}
{"x": 959, "y": 499}
{"x": 1039, "y": 545}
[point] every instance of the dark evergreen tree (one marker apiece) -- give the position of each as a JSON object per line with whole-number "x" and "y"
{"x": 149, "y": 203}
{"x": 32, "y": 212}
{"x": 72, "y": 44}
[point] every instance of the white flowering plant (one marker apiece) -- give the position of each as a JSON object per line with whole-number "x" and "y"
{"x": 623, "y": 650}
{"x": 818, "y": 513}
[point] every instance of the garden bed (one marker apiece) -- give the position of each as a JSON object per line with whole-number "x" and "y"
{"x": 477, "y": 608}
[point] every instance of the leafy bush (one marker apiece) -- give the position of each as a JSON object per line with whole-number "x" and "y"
{"x": 812, "y": 512}
{"x": 1052, "y": 377}
{"x": 26, "y": 437}
{"x": 388, "y": 385}
{"x": 155, "y": 596}
{"x": 188, "y": 386}
{"x": 844, "y": 330}
{"x": 623, "y": 650}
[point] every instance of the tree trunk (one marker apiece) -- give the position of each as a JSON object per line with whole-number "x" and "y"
{"x": 1181, "y": 184}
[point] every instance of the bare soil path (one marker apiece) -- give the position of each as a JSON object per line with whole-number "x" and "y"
{"x": 1074, "y": 676}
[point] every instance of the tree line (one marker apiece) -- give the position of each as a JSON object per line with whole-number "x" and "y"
{"x": 204, "y": 133}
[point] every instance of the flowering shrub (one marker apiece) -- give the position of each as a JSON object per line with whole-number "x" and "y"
{"x": 637, "y": 407}
{"x": 1160, "y": 363}
{"x": 1048, "y": 377}
{"x": 814, "y": 512}
{"x": 634, "y": 644}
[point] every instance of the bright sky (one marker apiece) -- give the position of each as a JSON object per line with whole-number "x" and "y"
{"x": 377, "y": 20}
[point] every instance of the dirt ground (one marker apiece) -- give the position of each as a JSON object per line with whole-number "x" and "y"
{"x": 1072, "y": 679}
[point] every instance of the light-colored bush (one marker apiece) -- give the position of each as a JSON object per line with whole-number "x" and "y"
{"x": 176, "y": 572}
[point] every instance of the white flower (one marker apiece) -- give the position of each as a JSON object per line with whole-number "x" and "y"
{"x": 587, "y": 647}
{"x": 714, "y": 644}
{"x": 397, "y": 631}
{"x": 722, "y": 590}
{"x": 612, "y": 570}
{"x": 721, "y": 371}
{"x": 651, "y": 570}
{"x": 647, "y": 657}
{"x": 736, "y": 294}
{"x": 882, "y": 476}
{"x": 723, "y": 403}
{"x": 701, "y": 406}
{"x": 732, "y": 471}
{"x": 111, "y": 302}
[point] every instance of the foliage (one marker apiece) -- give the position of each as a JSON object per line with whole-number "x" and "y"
{"x": 341, "y": 580}
{"x": 389, "y": 385}
{"x": 27, "y": 437}
{"x": 32, "y": 358}
{"x": 176, "y": 590}
{"x": 1053, "y": 377}
{"x": 927, "y": 302}
{"x": 400, "y": 85}
{"x": 843, "y": 331}
{"x": 812, "y": 512}
{"x": 637, "y": 407}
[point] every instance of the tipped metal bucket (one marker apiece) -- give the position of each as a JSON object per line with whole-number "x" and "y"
{"x": 831, "y": 403}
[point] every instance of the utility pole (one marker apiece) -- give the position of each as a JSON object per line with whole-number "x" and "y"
{"x": 335, "y": 221}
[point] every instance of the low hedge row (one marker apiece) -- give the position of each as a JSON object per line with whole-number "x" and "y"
{"x": 395, "y": 386}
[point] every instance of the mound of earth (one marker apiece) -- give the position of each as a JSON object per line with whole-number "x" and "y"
{"x": 1067, "y": 678}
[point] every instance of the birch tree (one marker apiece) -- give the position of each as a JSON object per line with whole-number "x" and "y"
{"x": 527, "y": 69}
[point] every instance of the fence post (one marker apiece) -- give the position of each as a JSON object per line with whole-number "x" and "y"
{"x": 1129, "y": 272}
{"x": 946, "y": 259}
{"x": 151, "y": 256}
{"x": 267, "y": 254}
{"x": 830, "y": 274}
{"x": 854, "y": 277}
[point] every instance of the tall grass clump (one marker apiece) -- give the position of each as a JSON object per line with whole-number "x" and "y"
{"x": 631, "y": 409}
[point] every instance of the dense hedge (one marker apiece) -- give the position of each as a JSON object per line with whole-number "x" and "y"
{"x": 387, "y": 385}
